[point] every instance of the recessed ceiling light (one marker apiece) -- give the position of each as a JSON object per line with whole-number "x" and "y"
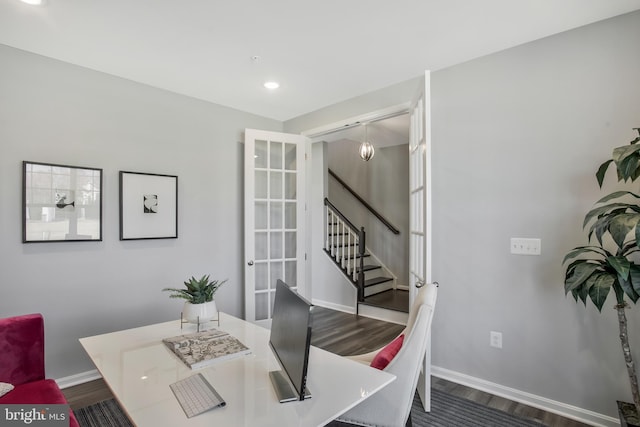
{"x": 33, "y": 2}
{"x": 272, "y": 85}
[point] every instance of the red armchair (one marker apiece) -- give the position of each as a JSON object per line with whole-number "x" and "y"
{"x": 22, "y": 363}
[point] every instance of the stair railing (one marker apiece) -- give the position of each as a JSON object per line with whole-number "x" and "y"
{"x": 345, "y": 243}
{"x": 364, "y": 203}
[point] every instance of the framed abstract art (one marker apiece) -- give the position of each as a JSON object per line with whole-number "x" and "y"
{"x": 148, "y": 206}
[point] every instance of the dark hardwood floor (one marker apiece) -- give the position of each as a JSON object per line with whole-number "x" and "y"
{"x": 347, "y": 334}
{"x": 393, "y": 299}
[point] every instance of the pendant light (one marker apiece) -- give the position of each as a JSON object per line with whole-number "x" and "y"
{"x": 366, "y": 149}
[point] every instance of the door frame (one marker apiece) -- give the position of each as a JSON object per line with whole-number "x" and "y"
{"x": 315, "y": 135}
{"x": 373, "y": 116}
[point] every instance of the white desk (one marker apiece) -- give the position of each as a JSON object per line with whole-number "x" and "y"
{"x": 138, "y": 368}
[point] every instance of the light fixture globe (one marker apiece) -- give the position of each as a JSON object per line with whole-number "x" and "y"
{"x": 366, "y": 151}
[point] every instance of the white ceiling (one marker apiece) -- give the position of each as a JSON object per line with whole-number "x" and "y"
{"x": 321, "y": 51}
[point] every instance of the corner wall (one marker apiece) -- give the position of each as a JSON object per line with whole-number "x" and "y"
{"x": 517, "y": 138}
{"x": 329, "y": 287}
{"x": 56, "y": 112}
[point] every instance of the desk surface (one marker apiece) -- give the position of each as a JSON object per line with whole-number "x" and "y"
{"x": 138, "y": 368}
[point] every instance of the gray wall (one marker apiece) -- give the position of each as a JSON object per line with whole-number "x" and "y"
{"x": 55, "y": 112}
{"x": 336, "y": 291}
{"x": 517, "y": 138}
{"x": 383, "y": 181}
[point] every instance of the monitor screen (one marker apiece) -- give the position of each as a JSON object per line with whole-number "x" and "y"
{"x": 291, "y": 336}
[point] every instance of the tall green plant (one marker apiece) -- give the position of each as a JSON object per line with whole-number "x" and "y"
{"x": 197, "y": 291}
{"x": 611, "y": 263}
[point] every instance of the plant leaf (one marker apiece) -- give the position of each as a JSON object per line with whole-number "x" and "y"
{"x": 580, "y": 273}
{"x": 602, "y": 170}
{"x": 623, "y": 152}
{"x": 583, "y": 250}
{"x": 600, "y": 289}
{"x": 634, "y": 275}
{"x": 601, "y": 226}
{"x": 621, "y": 225}
{"x": 621, "y": 265}
{"x": 616, "y": 195}
{"x": 628, "y": 167}
{"x": 582, "y": 293}
{"x": 601, "y": 210}
{"x": 627, "y": 287}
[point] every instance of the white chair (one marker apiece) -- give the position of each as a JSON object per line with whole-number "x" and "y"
{"x": 391, "y": 406}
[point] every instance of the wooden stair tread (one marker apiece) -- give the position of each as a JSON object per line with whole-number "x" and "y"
{"x": 376, "y": 281}
{"x": 368, "y": 268}
{"x": 357, "y": 256}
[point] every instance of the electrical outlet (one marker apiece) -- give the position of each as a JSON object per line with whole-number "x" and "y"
{"x": 495, "y": 339}
{"x": 522, "y": 246}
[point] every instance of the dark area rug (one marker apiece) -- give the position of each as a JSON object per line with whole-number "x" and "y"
{"x": 446, "y": 411}
{"x": 102, "y": 414}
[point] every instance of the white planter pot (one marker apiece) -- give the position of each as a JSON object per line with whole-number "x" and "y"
{"x": 205, "y": 312}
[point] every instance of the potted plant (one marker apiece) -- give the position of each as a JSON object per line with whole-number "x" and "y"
{"x": 614, "y": 262}
{"x": 198, "y": 294}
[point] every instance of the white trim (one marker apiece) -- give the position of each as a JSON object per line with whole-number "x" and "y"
{"x": 378, "y": 313}
{"x": 302, "y": 143}
{"x": 428, "y": 211}
{"x": 563, "y": 409}
{"x": 76, "y": 379}
{"x": 356, "y": 120}
{"x": 333, "y": 306}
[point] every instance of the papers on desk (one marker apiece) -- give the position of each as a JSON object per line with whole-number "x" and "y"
{"x": 204, "y": 348}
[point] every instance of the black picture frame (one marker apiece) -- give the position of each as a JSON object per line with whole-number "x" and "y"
{"x": 61, "y": 203}
{"x": 148, "y": 206}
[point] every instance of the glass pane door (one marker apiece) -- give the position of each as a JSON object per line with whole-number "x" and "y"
{"x": 274, "y": 213}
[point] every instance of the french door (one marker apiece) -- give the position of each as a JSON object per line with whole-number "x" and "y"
{"x": 420, "y": 214}
{"x": 274, "y": 218}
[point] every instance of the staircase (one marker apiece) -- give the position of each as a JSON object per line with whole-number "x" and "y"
{"x": 346, "y": 245}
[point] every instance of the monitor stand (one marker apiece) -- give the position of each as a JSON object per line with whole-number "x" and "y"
{"x": 284, "y": 389}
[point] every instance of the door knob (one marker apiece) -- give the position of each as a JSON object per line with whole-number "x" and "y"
{"x": 420, "y": 283}
{"x": 250, "y": 263}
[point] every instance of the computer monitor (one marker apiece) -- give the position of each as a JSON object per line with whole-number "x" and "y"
{"x": 290, "y": 340}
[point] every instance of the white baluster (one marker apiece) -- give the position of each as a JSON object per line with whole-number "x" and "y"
{"x": 355, "y": 259}
{"x": 326, "y": 237}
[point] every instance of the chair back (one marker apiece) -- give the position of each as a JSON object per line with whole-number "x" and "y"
{"x": 22, "y": 349}
{"x": 391, "y": 406}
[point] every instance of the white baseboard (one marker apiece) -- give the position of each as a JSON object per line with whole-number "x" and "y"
{"x": 383, "y": 314}
{"x": 563, "y": 409}
{"x": 81, "y": 378}
{"x": 333, "y": 306}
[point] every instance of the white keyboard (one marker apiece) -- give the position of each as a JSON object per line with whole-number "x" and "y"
{"x": 196, "y": 395}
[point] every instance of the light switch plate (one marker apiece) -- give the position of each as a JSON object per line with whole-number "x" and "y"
{"x": 523, "y": 246}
